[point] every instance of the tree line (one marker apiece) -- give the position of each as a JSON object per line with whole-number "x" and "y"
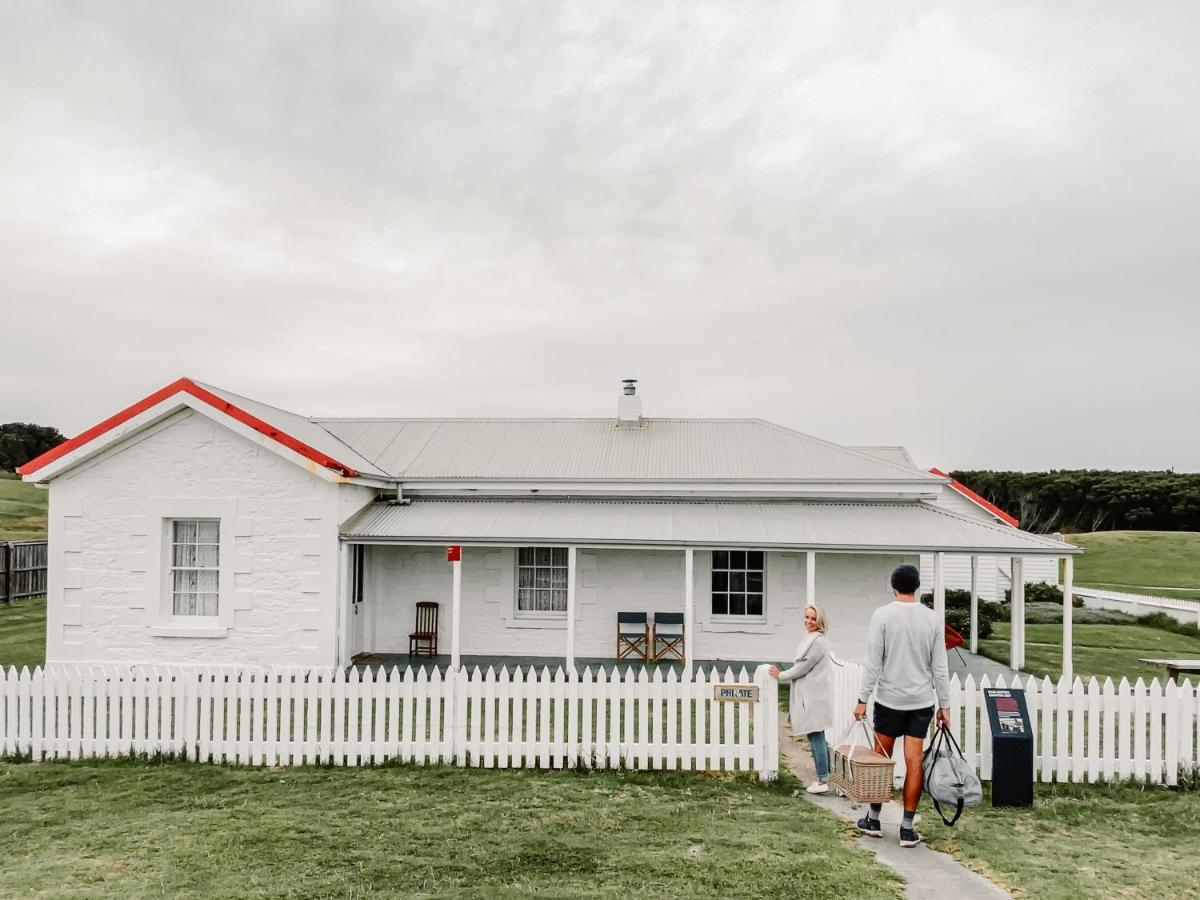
{"x": 1092, "y": 499}
{"x": 22, "y": 441}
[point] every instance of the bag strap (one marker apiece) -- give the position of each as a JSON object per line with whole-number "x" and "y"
{"x": 940, "y": 742}
{"x": 957, "y": 812}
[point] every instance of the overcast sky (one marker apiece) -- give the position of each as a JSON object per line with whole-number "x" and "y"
{"x": 969, "y": 231}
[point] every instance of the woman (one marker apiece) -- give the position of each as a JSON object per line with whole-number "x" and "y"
{"x": 811, "y": 702}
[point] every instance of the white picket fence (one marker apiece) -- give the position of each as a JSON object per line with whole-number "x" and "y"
{"x": 1082, "y": 732}
{"x": 280, "y": 717}
{"x": 1186, "y": 612}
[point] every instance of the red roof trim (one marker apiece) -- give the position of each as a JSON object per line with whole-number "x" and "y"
{"x": 186, "y": 386}
{"x": 977, "y": 500}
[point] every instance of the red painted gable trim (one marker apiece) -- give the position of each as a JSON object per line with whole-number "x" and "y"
{"x": 186, "y": 386}
{"x": 977, "y": 500}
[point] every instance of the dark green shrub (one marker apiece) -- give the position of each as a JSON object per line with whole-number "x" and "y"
{"x": 958, "y": 613}
{"x": 1168, "y": 623}
{"x": 1041, "y": 592}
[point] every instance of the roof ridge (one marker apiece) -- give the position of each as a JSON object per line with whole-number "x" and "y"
{"x": 859, "y": 453}
{"x": 609, "y": 419}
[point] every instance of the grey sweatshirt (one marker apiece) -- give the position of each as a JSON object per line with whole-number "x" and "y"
{"x": 906, "y": 658}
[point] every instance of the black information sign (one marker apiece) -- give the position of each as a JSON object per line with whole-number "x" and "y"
{"x": 1012, "y": 747}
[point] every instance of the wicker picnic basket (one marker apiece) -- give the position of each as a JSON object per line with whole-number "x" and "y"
{"x": 859, "y": 770}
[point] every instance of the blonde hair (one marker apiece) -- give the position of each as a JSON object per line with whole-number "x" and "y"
{"x": 822, "y": 624}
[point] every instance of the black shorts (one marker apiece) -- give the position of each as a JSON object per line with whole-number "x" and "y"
{"x": 908, "y": 722}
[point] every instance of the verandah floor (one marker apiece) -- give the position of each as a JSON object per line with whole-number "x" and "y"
{"x": 968, "y": 664}
{"x": 387, "y": 660}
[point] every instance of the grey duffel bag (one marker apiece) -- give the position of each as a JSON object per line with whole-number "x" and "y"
{"x": 948, "y": 777}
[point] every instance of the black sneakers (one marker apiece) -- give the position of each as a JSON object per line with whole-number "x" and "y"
{"x": 909, "y": 837}
{"x": 870, "y": 827}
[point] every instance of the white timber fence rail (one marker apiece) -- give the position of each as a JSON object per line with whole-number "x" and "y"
{"x": 1184, "y": 611}
{"x": 1091, "y": 732}
{"x": 279, "y": 717}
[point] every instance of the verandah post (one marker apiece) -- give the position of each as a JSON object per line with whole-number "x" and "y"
{"x": 689, "y": 611}
{"x": 571, "y": 560}
{"x": 1068, "y": 667}
{"x": 974, "y": 603}
{"x": 455, "y": 696}
{"x": 939, "y": 586}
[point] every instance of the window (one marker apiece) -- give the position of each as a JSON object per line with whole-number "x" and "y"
{"x": 542, "y": 579}
{"x": 194, "y": 575}
{"x": 737, "y": 583}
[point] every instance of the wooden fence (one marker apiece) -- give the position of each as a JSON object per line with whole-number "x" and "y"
{"x": 1082, "y": 732}
{"x": 22, "y": 570}
{"x": 517, "y": 718}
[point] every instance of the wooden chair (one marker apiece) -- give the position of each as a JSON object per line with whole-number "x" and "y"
{"x": 666, "y": 637}
{"x": 424, "y": 639}
{"x": 633, "y": 641}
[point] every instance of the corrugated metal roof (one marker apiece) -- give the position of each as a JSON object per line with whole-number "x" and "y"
{"x": 800, "y": 524}
{"x": 898, "y": 455}
{"x": 661, "y": 449}
{"x": 301, "y": 428}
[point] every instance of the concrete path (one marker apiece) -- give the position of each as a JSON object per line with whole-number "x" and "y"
{"x": 977, "y": 665}
{"x": 926, "y": 873}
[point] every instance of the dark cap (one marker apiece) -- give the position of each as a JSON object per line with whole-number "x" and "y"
{"x": 906, "y": 579}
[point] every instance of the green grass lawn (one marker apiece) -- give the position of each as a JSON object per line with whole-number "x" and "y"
{"x": 1100, "y": 650}
{"x": 121, "y": 829}
{"x": 22, "y": 510}
{"x": 1151, "y": 562}
{"x": 23, "y": 633}
{"x": 1080, "y": 841}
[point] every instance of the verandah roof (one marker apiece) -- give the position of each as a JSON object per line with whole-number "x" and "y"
{"x": 801, "y": 525}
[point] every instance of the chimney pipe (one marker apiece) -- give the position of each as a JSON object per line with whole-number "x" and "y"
{"x": 629, "y": 405}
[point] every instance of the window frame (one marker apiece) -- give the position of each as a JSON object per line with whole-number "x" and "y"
{"x": 171, "y": 568}
{"x": 746, "y": 570}
{"x": 155, "y": 597}
{"x": 554, "y": 615}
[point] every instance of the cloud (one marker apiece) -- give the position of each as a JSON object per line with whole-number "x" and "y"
{"x": 965, "y": 230}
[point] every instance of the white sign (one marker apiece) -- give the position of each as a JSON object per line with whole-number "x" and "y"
{"x": 735, "y": 693}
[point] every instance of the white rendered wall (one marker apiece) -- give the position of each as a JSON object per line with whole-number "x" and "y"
{"x": 849, "y": 586}
{"x": 105, "y": 519}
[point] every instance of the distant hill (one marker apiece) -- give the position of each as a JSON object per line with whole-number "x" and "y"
{"x": 1166, "y": 563}
{"x": 22, "y": 510}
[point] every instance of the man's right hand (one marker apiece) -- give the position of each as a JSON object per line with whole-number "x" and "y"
{"x": 860, "y": 711}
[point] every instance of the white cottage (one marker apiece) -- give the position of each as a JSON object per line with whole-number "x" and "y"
{"x": 200, "y": 526}
{"x": 987, "y": 576}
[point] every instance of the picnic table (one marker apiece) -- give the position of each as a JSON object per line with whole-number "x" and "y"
{"x": 1175, "y": 666}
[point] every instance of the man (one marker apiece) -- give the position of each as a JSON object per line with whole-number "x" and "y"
{"x": 905, "y": 667}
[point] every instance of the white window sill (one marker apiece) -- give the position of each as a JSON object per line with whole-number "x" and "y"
{"x": 188, "y": 629}
{"x": 558, "y": 622}
{"x": 754, "y": 625}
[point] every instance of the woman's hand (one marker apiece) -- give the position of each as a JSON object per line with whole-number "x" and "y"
{"x": 943, "y": 717}
{"x": 860, "y": 711}
{"x": 773, "y": 671}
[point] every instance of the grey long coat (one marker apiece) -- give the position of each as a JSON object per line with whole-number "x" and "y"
{"x": 810, "y": 705}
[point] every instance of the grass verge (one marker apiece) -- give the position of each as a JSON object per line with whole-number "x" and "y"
{"x": 23, "y": 633}
{"x": 1117, "y": 840}
{"x": 121, "y": 828}
{"x": 1099, "y": 650}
